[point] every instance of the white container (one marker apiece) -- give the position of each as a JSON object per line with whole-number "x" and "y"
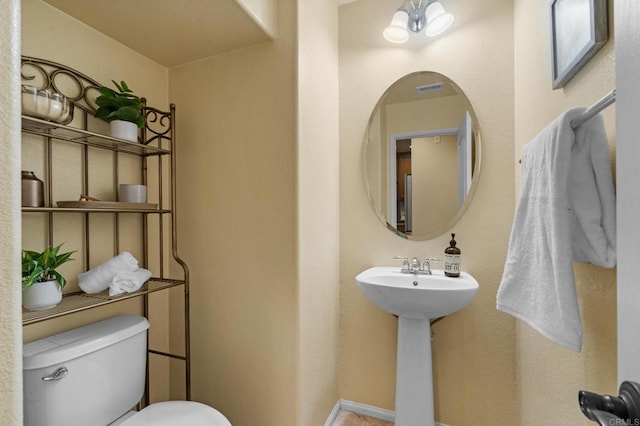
{"x": 124, "y": 130}
{"x": 105, "y": 366}
{"x": 41, "y": 296}
{"x": 132, "y": 193}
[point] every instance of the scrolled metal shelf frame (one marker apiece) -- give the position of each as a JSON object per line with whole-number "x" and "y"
{"x": 158, "y": 140}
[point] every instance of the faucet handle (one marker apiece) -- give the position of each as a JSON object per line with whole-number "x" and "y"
{"x": 426, "y": 266}
{"x": 405, "y": 263}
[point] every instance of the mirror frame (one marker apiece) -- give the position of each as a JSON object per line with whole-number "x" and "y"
{"x": 475, "y": 173}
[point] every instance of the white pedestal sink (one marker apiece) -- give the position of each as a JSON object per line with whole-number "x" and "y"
{"x": 415, "y": 299}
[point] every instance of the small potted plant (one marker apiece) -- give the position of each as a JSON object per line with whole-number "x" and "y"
{"x": 122, "y": 109}
{"x": 42, "y": 284}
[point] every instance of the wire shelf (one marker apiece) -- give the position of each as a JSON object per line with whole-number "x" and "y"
{"x": 80, "y": 301}
{"x": 45, "y": 128}
{"x": 90, "y": 210}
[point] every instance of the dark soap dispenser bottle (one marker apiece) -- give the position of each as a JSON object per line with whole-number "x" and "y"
{"x": 452, "y": 259}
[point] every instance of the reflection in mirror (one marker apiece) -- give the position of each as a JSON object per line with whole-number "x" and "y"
{"x": 421, "y": 155}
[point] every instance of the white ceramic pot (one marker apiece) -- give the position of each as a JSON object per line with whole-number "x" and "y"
{"x": 124, "y": 130}
{"x": 41, "y": 296}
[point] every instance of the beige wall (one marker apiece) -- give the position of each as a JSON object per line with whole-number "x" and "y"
{"x": 262, "y": 243}
{"x": 10, "y": 295}
{"x": 318, "y": 213}
{"x": 237, "y": 224}
{"x": 547, "y": 375}
{"x": 434, "y": 170}
{"x": 431, "y": 114}
{"x": 474, "y": 351}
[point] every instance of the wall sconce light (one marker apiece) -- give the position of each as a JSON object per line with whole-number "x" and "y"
{"x": 428, "y": 14}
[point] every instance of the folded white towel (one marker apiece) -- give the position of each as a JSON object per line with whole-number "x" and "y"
{"x": 128, "y": 281}
{"x": 98, "y": 279}
{"x": 566, "y": 212}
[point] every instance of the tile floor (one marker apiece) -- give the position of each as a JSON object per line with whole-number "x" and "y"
{"x": 348, "y": 418}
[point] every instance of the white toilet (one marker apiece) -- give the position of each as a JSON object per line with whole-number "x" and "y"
{"x": 94, "y": 376}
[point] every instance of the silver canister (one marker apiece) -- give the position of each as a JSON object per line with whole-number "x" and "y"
{"x": 32, "y": 190}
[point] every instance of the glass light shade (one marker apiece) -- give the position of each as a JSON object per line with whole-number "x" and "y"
{"x": 397, "y": 32}
{"x": 438, "y": 20}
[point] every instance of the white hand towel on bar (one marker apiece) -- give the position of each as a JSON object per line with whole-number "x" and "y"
{"x": 128, "y": 281}
{"x": 98, "y": 279}
{"x": 566, "y": 212}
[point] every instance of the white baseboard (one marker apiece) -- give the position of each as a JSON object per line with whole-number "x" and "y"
{"x": 368, "y": 410}
{"x": 363, "y": 409}
{"x": 333, "y": 415}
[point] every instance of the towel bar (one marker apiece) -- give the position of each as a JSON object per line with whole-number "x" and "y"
{"x": 593, "y": 110}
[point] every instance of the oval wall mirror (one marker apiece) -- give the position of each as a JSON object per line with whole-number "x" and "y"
{"x": 421, "y": 155}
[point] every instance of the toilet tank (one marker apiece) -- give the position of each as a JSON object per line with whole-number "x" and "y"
{"x": 105, "y": 366}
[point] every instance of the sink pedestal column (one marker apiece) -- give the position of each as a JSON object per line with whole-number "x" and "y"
{"x": 414, "y": 374}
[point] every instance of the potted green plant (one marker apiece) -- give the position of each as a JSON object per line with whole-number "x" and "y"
{"x": 42, "y": 284}
{"x": 122, "y": 109}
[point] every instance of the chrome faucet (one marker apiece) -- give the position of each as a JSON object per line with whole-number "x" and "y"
{"x": 415, "y": 267}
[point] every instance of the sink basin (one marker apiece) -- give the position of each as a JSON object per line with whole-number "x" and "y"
{"x": 417, "y": 296}
{"x": 415, "y": 299}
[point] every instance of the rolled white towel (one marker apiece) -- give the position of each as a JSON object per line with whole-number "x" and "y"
{"x": 97, "y": 279}
{"x": 128, "y": 281}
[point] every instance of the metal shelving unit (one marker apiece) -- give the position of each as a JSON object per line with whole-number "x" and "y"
{"x": 158, "y": 140}
{"x": 61, "y": 132}
{"x": 80, "y": 301}
{"x": 90, "y": 210}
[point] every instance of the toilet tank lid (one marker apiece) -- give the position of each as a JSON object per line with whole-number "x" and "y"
{"x": 81, "y": 341}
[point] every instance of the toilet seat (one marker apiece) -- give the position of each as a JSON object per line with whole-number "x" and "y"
{"x": 177, "y": 413}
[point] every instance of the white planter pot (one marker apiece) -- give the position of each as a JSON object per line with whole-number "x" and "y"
{"x": 124, "y": 130}
{"x": 41, "y": 296}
